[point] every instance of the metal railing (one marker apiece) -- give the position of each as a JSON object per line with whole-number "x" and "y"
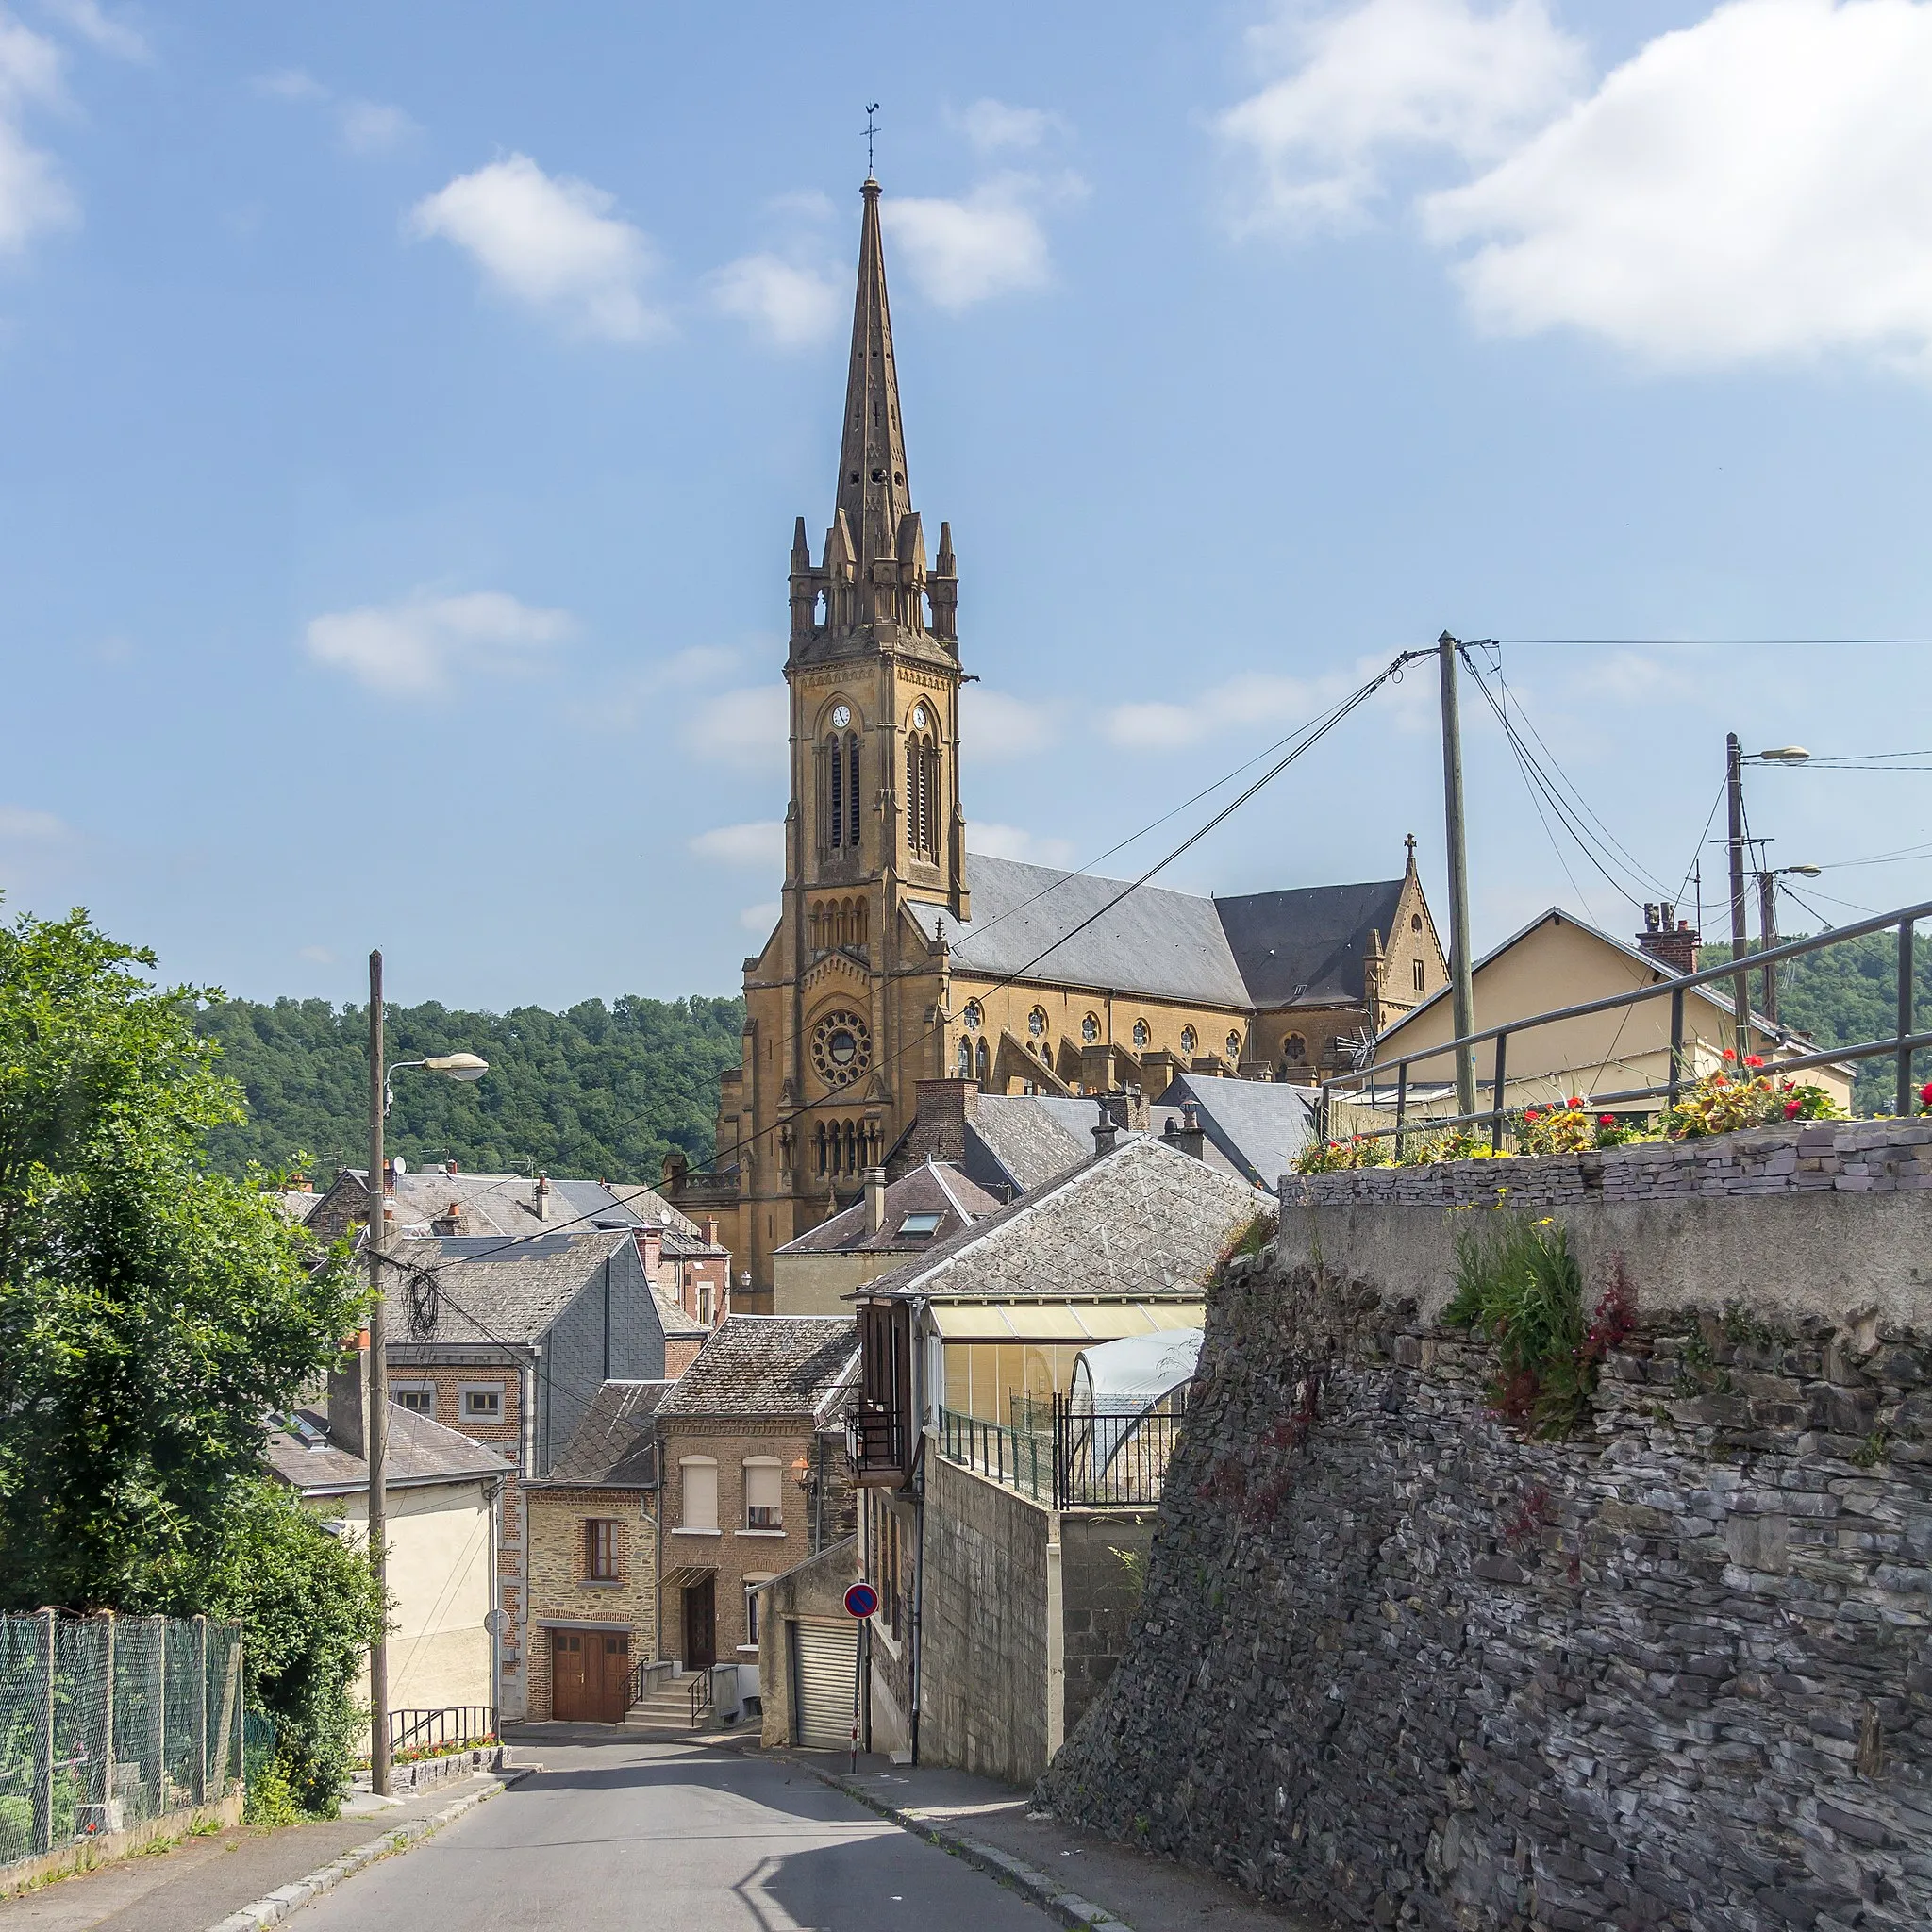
{"x": 1899, "y": 1047}
{"x": 876, "y": 1437}
{"x": 451, "y": 1727}
{"x": 110, "y": 1722}
{"x": 700, "y": 1694}
{"x": 1081, "y": 1460}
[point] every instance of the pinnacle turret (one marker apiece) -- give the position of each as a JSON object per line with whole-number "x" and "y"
{"x": 873, "y": 490}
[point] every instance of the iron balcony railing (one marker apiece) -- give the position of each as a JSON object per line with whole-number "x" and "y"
{"x": 451, "y": 1727}
{"x": 876, "y": 1436}
{"x": 1070, "y": 1458}
{"x": 1900, "y": 1045}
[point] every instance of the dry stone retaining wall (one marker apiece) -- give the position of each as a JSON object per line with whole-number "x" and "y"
{"x": 1400, "y": 1666}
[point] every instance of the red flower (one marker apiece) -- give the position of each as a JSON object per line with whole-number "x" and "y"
{"x": 1529, "y": 1113}
{"x": 1729, "y": 1053}
{"x": 1751, "y": 1060}
{"x": 1792, "y": 1108}
{"x": 1576, "y": 1100}
{"x": 1606, "y": 1120}
{"x": 1925, "y": 1093}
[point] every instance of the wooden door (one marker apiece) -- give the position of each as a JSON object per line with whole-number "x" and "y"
{"x": 612, "y": 1651}
{"x": 700, "y": 1624}
{"x": 570, "y": 1692}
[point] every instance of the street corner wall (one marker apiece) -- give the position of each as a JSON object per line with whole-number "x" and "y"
{"x": 814, "y": 1590}
{"x": 1396, "y": 1663}
{"x": 1103, "y": 1572}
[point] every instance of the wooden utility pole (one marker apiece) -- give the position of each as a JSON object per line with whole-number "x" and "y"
{"x": 1461, "y": 983}
{"x": 1767, "y": 926}
{"x": 375, "y": 1403}
{"x": 1740, "y": 980}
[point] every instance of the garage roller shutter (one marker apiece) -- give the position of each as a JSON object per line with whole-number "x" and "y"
{"x": 823, "y": 1660}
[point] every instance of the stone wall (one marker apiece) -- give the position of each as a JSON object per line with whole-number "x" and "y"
{"x": 560, "y": 1592}
{"x": 984, "y": 1626}
{"x": 1103, "y": 1568}
{"x": 1400, "y": 1665}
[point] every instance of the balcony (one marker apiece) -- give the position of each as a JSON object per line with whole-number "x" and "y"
{"x": 878, "y": 1444}
{"x": 1068, "y": 1457}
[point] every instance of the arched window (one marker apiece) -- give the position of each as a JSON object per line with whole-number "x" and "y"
{"x": 819, "y": 1140}
{"x": 1294, "y": 1048}
{"x": 965, "y": 1060}
{"x": 1190, "y": 1040}
{"x": 836, "y": 764}
{"x": 1415, "y": 922}
{"x": 1035, "y": 1022}
{"x": 1234, "y": 1046}
{"x": 1141, "y": 1036}
{"x": 1089, "y": 1029}
{"x": 842, "y": 786}
{"x": 974, "y": 1018}
{"x": 983, "y": 1062}
{"x": 851, "y": 1149}
{"x": 852, "y": 791}
{"x": 921, "y": 793}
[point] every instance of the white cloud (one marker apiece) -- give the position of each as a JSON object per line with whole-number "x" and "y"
{"x": 1759, "y": 185}
{"x": 33, "y": 195}
{"x": 994, "y": 126}
{"x": 998, "y": 727}
{"x": 1010, "y": 842}
{"x": 419, "y": 643}
{"x": 111, "y": 36}
{"x": 790, "y": 306}
{"x": 316, "y": 955}
{"x": 760, "y": 918}
{"x": 748, "y": 730}
{"x": 20, "y": 825}
{"x": 374, "y": 128}
{"x": 1254, "y": 698}
{"x": 1352, "y": 90}
{"x": 761, "y": 844}
{"x": 988, "y": 243}
{"x": 290, "y": 84}
{"x": 550, "y": 241}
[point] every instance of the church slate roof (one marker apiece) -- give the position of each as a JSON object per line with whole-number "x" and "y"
{"x": 1142, "y": 1222}
{"x": 1260, "y": 1125}
{"x": 1302, "y": 946}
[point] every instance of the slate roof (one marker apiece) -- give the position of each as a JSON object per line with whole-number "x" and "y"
{"x": 615, "y": 1446}
{"x": 1028, "y": 1141}
{"x": 674, "y": 1320}
{"x": 1257, "y": 1125}
{"x": 932, "y": 1187}
{"x": 1143, "y": 1223}
{"x": 651, "y": 1206}
{"x": 420, "y": 1452}
{"x": 1307, "y": 946}
{"x": 767, "y": 1365}
{"x": 505, "y": 1203}
{"x": 503, "y": 1290}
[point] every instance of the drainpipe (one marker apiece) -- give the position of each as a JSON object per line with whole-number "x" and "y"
{"x": 496, "y": 1599}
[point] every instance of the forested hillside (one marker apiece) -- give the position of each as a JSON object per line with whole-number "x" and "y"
{"x": 1848, "y": 994}
{"x": 597, "y": 1092}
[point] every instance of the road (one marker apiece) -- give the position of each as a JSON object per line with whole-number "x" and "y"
{"x": 669, "y": 1837}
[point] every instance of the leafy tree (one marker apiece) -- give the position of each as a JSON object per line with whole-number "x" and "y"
{"x": 153, "y": 1311}
{"x": 598, "y": 1091}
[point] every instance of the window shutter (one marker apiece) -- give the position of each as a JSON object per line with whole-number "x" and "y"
{"x": 762, "y": 1485}
{"x": 700, "y": 1494}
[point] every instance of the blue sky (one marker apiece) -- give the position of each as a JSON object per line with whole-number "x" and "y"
{"x": 406, "y": 411}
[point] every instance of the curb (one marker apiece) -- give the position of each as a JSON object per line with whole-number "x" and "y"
{"x": 275, "y": 1905}
{"x": 1068, "y": 1907}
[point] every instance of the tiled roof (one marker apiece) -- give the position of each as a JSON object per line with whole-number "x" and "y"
{"x": 1140, "y": 1223}
{"x": 775, "y": 1365}
{"x": 940, "y": 1189}
{"x": 1031, "y": 1144}
{"x": 420, "y": 1451}
{"x": 676, "y": 1323}
{"x": 1257, "y": 1125}
{"x": 614, "y": 1446}
{"x": 509, "y": 1292}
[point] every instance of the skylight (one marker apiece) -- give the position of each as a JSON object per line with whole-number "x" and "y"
{"x": 921, "y": 1227}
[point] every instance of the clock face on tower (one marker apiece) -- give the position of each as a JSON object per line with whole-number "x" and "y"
{"x": 919, "y": 719}
{"x": 842, "y": 715}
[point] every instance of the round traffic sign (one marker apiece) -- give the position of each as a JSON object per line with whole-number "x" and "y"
{"x": 862, "y": 1600}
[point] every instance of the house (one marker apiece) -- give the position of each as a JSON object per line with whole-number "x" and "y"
{"x": 510, "y": 1342}
{"x": 594, "y": 1544}
{"x": 442, "y": 1493}
{"x": 992, "y": 1528}
{"x": 1559, "y": 960}
{"x": 752, "y": 1442}
{"x": 1257, "y": 1128}
{"x": 929, "y": 1204}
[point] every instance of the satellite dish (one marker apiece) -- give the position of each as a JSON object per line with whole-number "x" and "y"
{"x": 400, "y": 1165}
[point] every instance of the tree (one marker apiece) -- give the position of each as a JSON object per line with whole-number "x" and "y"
{"x": 154, "y": 1313}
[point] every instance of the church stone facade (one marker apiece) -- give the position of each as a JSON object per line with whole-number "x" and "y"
{"x": 901, "y": 954}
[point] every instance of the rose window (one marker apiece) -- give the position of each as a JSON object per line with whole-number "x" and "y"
{"x": 841, "y": 1048}
{"x": 1141, "y": 1036}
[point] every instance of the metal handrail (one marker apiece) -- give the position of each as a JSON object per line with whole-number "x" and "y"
{"x": 700, "y": 1695}
{"x": 1902, "y": 1045}
{"x": 1083, "y": 1459}
{"x": 452, "y": 1723}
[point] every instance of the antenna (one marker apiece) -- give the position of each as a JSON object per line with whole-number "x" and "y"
{"x": 871, "y": 107}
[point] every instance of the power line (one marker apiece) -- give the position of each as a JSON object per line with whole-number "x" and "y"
{"x": 1705, "y": 643}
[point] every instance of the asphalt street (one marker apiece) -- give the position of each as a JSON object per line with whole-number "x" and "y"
{"x": 666, "y": 1837}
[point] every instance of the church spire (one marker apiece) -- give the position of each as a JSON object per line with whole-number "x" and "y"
{"x": 874, "y": 494}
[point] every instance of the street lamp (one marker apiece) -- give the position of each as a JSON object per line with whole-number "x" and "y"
{"x": 1735, "y": 758}
{"x": 1783, "y": 754}
{"x": 454, "y": 1066}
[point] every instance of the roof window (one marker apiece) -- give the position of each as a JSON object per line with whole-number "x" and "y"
{"x": 921, "y": 1227}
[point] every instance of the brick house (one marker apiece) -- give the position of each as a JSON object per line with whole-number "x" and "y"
{"x": 593, "y": 1560}
{"x": 509, "y": 1342}
{"x": 753, "y": 1451}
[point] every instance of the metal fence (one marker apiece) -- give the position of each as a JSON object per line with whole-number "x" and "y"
{"x": 449, "y": 1728}
{"x": 110, "y": 1722}
{"x": 1071, "y": 1458}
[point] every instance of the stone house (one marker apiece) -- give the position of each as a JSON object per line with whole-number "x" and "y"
{"x": 444, "y": 1492}
{"x": 509, "y": 1342}
{"x": 593, "y": 1537}
{"x": 992, "y": 1534}
{"x": 809, "y": 1651}
{"x": 752, "y": 1442}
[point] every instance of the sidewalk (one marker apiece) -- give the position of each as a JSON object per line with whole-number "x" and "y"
{"x": 972, "y": 1815}
{"x": 203, "y": 1879}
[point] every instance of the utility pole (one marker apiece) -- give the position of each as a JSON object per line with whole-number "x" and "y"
{"x": 1767, "y": 926}
{"x": 1462, "y": 984}
{"x": 1740, "y": 980}
{"x": 375, "y": 1411}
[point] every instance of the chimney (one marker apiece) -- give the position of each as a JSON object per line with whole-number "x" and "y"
{"x": 388, "y": 1175}
{"x": 300, "y": 1184}
{"x": 542, "y": 1197}
{"x": 875, "y": 1181}
{"x": 1106, "y": 1131}
{"x": 1188, "y": 1136}
{"x": 348, "y": 1397}
{"x": 449, "y": 1167}
{"x": 651, "y": 1250}
{"x": 707, "y": 1230}
{"x": 1668, "y": 940}
{"x": 940, "y": 1114}
{"x": 450, "y": 1220}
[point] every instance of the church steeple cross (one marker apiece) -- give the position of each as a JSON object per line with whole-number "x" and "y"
{"x": 871, "y": 107}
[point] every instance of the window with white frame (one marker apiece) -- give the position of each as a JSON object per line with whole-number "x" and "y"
{"x": 764, "y": 1497}
{"x": 419, "y": 1398}
{"x": 483, "y": 1403}
{"x": 698, "y": 1484}
{"x": 752, "y": 1602}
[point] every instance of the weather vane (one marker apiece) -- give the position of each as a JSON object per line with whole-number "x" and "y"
{"x": 871, "y": 107}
